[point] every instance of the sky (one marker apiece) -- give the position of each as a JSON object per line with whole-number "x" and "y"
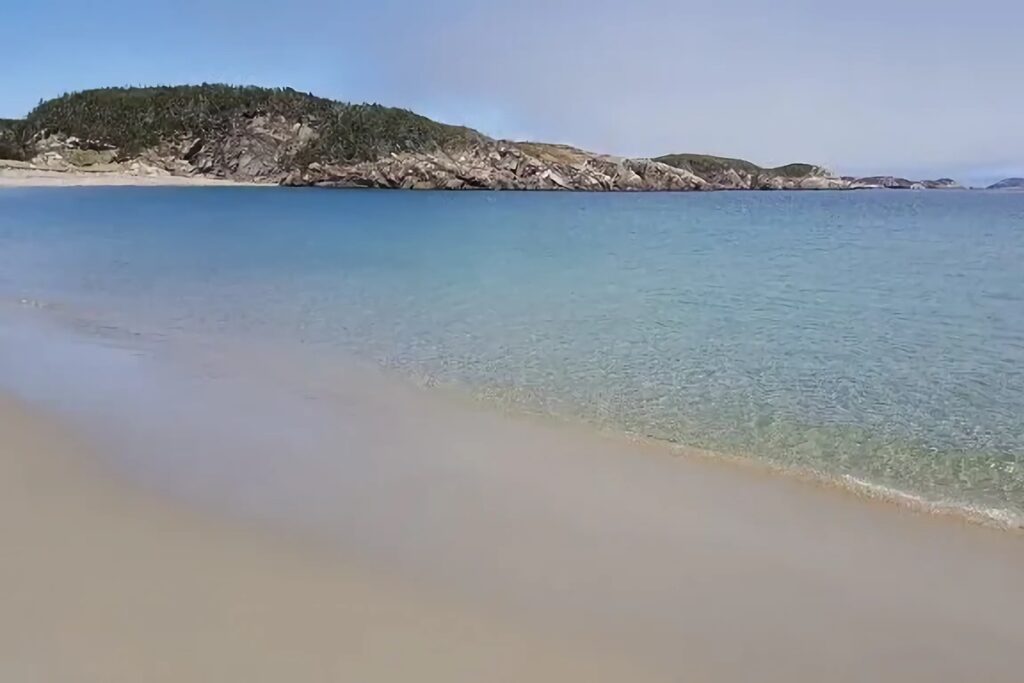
{"x": 906, "y": 87}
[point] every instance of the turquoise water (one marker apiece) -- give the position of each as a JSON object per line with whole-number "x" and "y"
{"x": 875, "y": 335}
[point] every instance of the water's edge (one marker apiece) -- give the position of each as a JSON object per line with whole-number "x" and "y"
{"x": 46, "y": 323}
{"x": 872, "y": 341}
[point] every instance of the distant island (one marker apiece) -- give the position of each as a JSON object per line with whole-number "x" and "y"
{"x": 282, "y": 136}
{"x": 1008, "y": 184}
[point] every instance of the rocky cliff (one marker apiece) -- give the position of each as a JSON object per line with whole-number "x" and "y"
{"x": 292, "y": 138}
{"x": 500, "y": 165}
{"x": 895, "y": 183}
{"x": 738, "y": 174}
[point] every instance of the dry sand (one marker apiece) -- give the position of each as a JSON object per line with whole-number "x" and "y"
{"x": 102, "y": 584}
{"x": 18, "y": 174}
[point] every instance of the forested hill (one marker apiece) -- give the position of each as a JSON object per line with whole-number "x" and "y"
{"x": 280, "y": 135}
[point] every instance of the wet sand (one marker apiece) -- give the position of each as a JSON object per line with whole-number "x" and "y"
{"x": 425, "y": 537}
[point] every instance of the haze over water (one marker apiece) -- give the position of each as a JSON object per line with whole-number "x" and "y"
{"x": 876, "y": 335}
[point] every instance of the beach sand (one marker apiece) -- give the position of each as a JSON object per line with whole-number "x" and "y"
{"x": 99, "y": 583}
{"x": 248, "y": 517}
{"x": 19, "y": 174}
{"x": 102, "y": 582}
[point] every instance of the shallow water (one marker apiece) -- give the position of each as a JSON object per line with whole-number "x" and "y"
{"x": 876, "y": 335}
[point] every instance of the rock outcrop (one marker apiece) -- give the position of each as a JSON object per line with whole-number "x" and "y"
{"x": 722, "y": 173}
{"x": 941, "y": 184}
{"x": 500, "y": 165}
{"x": 264, "y": 149}
{"x": 894, "y": 183}
{"x": 253, "y": 149}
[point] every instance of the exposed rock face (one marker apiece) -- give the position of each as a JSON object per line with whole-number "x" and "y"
{"x": 1008, "y": 184}
{"x": 894, "y": 183}
{"x": 722, "y": 173}
{"x": 812, "y": 182}
{"x": 877, "y": 182}
{"x": 266, "y": 149}
{"x": 259, "y": 149}
{"x": 60, "y": 153}
{"x": 502, "y": 166}
{"x": 941, "y": 184}
{"x": 262, "y": 150}
{"x": 817, "y": 179}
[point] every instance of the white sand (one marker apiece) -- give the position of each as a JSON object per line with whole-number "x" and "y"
{"x": 102, "y": 584}
{"x": 14, "y": 174}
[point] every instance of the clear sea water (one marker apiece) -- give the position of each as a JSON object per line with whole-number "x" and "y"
{"x": 870, "y": 335}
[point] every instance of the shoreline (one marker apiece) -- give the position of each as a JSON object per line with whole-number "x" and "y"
{"x": 860, "y": 489}
{"x": 14, "y": 174}
{"x": 851, "y": 486}
{"x": 624, "y": 563}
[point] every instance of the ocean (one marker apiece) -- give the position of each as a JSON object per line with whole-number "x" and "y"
{"x": 871, "y": 338}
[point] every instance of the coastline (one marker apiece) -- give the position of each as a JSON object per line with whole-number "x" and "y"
{"x": 587, "y": 543}
{"x": 859, "y": 489}
{"x": 15, "y": 174}
{"x": 464, "y": 398}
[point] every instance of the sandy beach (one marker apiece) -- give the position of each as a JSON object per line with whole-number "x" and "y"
{"x": 20, "y": 174}
{"x": 103, "y": 584}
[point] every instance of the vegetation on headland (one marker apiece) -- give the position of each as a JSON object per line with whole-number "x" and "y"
{"x": 134, "y": 119}
{"x": 12, "y": 142}
{"x": 708, "y": 165}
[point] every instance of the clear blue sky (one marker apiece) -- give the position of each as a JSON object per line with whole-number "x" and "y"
{"x": 904, "y": 86}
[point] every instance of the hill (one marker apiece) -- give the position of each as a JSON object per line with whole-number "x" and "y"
{"x": 279, "y": 128}
{"x": 284, "y": 136}
{"x": 279, "y": 135}
{"x": 1008, "y": 184}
